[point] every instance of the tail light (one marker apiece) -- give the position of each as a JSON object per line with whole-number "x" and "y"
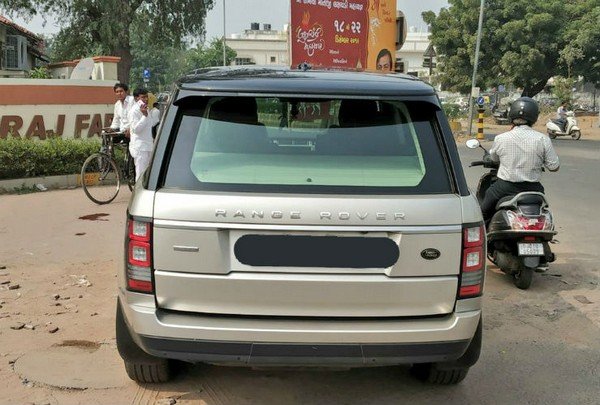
{"x": 473, "y": 261}
{"x": 139, "y": 256}
{"x": 520, "y": 222}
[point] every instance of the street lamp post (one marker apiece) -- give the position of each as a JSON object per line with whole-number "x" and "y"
{"x": 475, "y": 65}
{"x": 224, "y": 36}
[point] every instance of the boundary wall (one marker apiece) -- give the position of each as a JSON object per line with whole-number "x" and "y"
{"x": 40, "y": 108}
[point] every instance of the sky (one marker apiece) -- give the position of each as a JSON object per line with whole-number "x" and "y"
{"x": 240, "y": 13}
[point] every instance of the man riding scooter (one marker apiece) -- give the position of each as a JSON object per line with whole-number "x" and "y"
{"x": 522, "y": 153}
{"x": 561, "y": 116}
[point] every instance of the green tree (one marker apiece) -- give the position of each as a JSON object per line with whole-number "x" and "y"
{"x": 166, "y": 65}
{"x": 108, "y": 24}
{"x": 563, "y": 89}
{"x": 211, "y": 55}
{"x": 524, "y": 42}
{"x": 584, "y": 37}
{"x": 64, "y": 46}
{"x": 166, "y": 62}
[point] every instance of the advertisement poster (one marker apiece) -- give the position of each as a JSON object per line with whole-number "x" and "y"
{"x": 344, "y": 34}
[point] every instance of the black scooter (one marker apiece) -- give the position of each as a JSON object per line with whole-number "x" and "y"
{"x": 520, "y": 232}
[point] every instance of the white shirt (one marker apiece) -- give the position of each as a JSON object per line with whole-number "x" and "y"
{"x": 141, "y": 130}
{"x": 121, "y": 114}
{"x": 155, "y": 115}
{"x": 522, "y": 152}
{"x": 561, "y": 113}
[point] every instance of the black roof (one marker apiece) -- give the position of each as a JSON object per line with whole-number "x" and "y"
{"x": 280, "y": 80}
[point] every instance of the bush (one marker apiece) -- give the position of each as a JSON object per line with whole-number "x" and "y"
{"x": 452, "y": 111}
{"x": 20, "y": 158}
{"x": 41, "y": 72}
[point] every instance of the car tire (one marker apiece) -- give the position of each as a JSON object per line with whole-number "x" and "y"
{"x": 156, "y": 372}
{"x": 449, "y": 373}
{"x": 139, "y": 365}
{"x": 431, "y": 374}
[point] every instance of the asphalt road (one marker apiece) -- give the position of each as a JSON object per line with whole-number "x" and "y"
{"x": 541, "y": 346}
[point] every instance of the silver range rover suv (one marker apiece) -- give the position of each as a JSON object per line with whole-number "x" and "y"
{"x": 302, "y": 218}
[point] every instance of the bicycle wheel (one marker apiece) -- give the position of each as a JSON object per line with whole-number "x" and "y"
{"x": 130, "y": 172}
{"x": 100, "y": 178}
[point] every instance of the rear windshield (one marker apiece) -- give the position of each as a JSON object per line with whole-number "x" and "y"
{"x": 297, "y": 145}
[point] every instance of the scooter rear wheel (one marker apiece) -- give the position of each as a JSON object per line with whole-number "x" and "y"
{"x": 523, "y": 278}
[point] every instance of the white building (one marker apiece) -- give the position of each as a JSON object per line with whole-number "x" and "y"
{"x": 260, "y": 46}
{"x": 412, "y": 53}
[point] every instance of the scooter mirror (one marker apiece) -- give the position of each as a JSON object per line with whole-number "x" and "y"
{"x": 473, "y": 143}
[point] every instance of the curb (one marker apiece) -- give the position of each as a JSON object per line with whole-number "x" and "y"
{"x": 40, "y": 183}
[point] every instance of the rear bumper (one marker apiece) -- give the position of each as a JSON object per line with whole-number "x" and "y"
{"x": 301, "y": 354}
{"x": 297, "y": 341}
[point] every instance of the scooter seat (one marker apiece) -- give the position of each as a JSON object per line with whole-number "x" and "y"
{"x": 528, "y": 201}
{"x": 501, "y": 202}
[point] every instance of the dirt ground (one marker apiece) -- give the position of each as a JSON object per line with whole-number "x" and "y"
{"x": 59, "y": 295}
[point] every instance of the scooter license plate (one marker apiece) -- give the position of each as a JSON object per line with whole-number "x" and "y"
{"x": 531, "y": 249}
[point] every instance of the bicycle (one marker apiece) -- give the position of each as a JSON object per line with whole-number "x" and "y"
{"x": 101, "y": 176}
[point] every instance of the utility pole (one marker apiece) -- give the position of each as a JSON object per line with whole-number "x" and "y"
{"x": 476, "y": 65}
{"x": 224, "y": 37}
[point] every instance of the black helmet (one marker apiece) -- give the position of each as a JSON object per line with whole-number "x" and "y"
{"x": 525, "y": 108}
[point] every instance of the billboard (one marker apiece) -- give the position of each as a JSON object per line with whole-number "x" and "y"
{"x": 344, "y": 34}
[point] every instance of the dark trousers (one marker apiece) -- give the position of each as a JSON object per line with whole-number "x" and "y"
{"x": 502, "y": 188}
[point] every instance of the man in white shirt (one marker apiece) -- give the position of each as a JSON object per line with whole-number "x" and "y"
{"x": 140, "y": 143}
{"x": 561, "y": 116}
{"x": 522, "y": 153}
{"x": 155, "y": 115}
{"x": 123, "y": 104}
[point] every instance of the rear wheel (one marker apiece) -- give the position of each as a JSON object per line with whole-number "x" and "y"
{"x": 139, "y": 365}
{"x": 451, "y": 372}
{"x": 148, "y": 373}
{"x": 576, "y": 135}
{"x": 552, "y": 135}
{"x": 523, "y": 278}
{"x": 430, "y": 373}
{"x": 100, "y": 178}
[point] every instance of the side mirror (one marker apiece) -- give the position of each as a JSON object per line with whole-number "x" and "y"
{"x": 473, "y": 144}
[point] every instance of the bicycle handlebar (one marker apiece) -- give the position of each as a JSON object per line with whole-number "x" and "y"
{"x": 112, "y": 132}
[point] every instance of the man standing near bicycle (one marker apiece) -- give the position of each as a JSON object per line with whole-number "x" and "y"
{"x": 140, "y": 143}
{"x": 123, "y": 105}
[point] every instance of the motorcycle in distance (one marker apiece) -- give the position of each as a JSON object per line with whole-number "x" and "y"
{"x": 500, "y": 114}
{"x": 521, "y": 230}
{"x": 572, "y": 129}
